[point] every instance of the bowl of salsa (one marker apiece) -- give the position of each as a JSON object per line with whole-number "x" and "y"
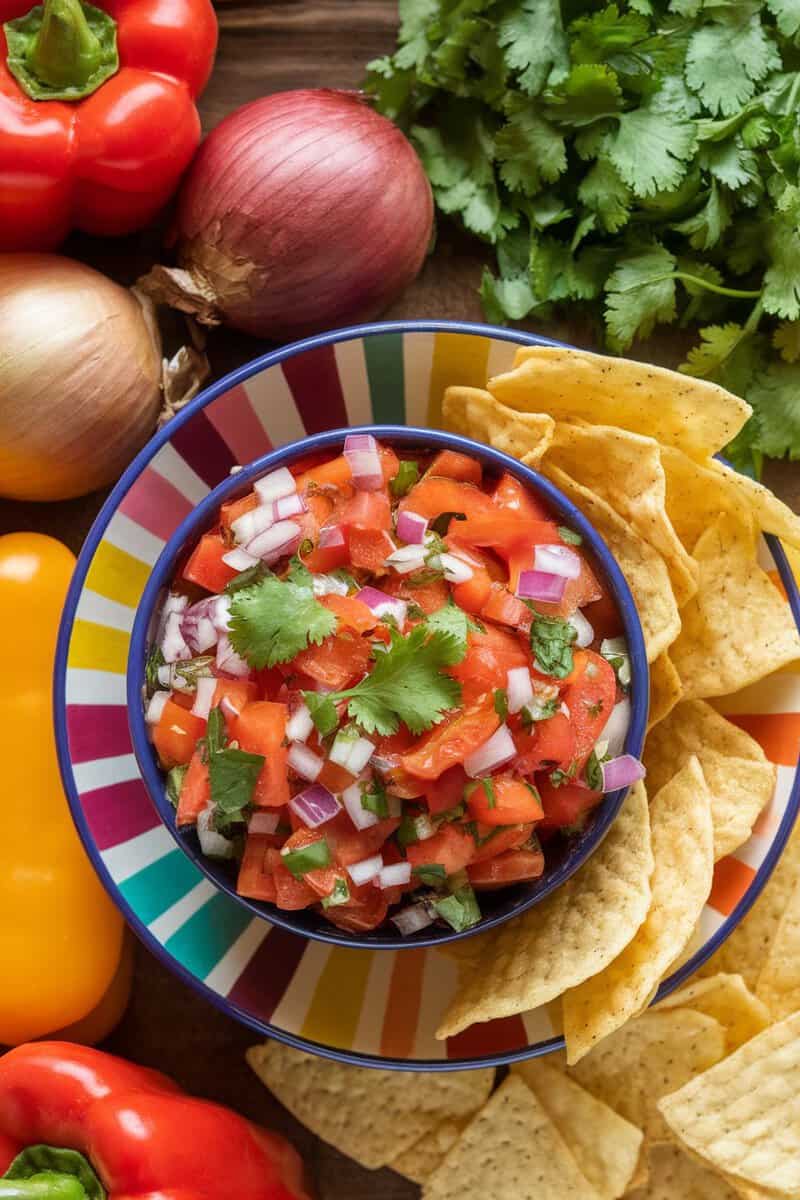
{"x": 387, "y": 687}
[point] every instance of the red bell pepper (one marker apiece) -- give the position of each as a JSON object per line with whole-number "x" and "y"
{"x": 77, "y": 1124}
{"x": 97, "y": 112}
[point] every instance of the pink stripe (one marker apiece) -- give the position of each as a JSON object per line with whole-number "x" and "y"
{"x": 233, "y": 417}
{"x": 155, "y": 504}
{"x": 115, "y": 814}
{"x": 97, "y": 731}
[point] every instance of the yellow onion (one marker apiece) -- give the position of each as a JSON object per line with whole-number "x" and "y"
{"x": 80, "y": 377}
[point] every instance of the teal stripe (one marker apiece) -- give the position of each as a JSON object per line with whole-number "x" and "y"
{"x": 202, "y": 941}
{"x": 153, "y": 890}
{"x": 384, "y": 356}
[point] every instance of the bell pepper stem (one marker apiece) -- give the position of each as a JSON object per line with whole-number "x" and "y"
{"x": 47, "y": 1186}
{"x": 50, "y": 1173}
{"x": 65, "y": 51}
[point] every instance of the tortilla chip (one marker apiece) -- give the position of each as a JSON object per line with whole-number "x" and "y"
{"x": 738, "y": 628}
{"x": 420, "y": 1160}
{"x": 727, "y": 999}
{"x": 746, "y": 950}
{"x": 673, "y": 1175}
{"x": 648, "y": 1058}
{"x": 572, "y": 934}
{"x": 696, "y": 416}
{"x": 742, "y": 1116}
{"x": 665, "y": 688}
{"x": 510, "y": 1149}
{"x": 473, "y": 413}
{"x": 644, "y": 569}
{"x": 779, "y": 981}
{"x": 364, "y": 1113}
{"x": 682, "y": 840}
{"x": 739, "y": 776}
{"x": 624, "y": 469}
{"x": 605, "y": 1146}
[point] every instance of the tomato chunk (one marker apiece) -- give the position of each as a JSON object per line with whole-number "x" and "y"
{"x": 338, "y": 661}
{"x": 195, "y": 791}
{"x": 490, "y": 656}
{"x": 566, "y": 806}
{"x": 590, "y": 694}
{"x": 449, "y": 464}
{"x": 511, "y": 494}
{"x": 206, "y": 568}
{"x": 369, "y": 549}
{"x": 546, "y": 743}
{"x": 452, "y": 741}
{"x": 234, "y": 509}
{"x": 447, "y": 791}
{"x": 367, "y": 510}
{"x": 353, "y": 613}
{"x": 504, "y": 800}
{"x": 506, "y": 609}
{"x": 452, "y": 847}
{"x": 237, "y": 693}
{"x": 496, "y": 839}
{"x": 176, "y": 735}
{"x": 290, "y": 893}
{"x": 260, "y": 729}
{"x": 366, "y": 912}
{"x": 516, "y": 866}
{"x": 429, "y": 596}
{"x": 255, "y": 880}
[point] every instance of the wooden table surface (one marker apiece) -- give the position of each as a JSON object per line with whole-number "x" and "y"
{"x": 267, "y": 46}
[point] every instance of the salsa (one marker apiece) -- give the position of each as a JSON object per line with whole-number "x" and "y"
{"x": 382, "y": 685}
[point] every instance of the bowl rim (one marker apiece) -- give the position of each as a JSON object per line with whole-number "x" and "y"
{"x": 199, "y": 519}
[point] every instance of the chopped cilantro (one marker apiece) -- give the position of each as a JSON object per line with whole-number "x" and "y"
{"x": 569, "y": 536}
{"x": 460, "y": 910}
{"x": 559, "y": 777}
{"x": 339, "y": 895}
{"x": 488, "y": 786}
{"x": 407, "y": 475}
{"x": 323, "y": 711}
{"x": 307, "y": 858}
{"x": 298, "y": 572}
{"x": 539, "y": 710}
{"x": 595, "y": 709}
{"x": 232, "y": 773}
{"x": 344, "y": 576}
{"x": 551, "y": 644}
{"x": 175, "y": 778}
{"x": 432, "y": 874}
{"x": 452, "y": 622}
{"x": 593, "y": 772}
{"x": 155, "y": 660}
{"x": 501, "y": 703}
{"x": 274, "y": 619}
{"x": 186, "y": 673}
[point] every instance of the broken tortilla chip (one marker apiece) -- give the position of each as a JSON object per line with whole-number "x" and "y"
{"x": 419, "y": 1161}
{"x": 779, "y": 980}
{"x": 665, "y": 688}
{"x": 473, "y": 413}
{"x": 673, "y": 1175}
{"x": 727, "y": 999}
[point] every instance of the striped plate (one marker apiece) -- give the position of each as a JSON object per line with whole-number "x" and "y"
{"x": 372, "y": 1007}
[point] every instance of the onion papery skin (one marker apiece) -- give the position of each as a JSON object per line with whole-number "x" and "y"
{"x": 80, "y": 378}
{"x": 302, "y": 211}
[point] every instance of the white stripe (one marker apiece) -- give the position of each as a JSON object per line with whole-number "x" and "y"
{"x": 501, "y": 359}
{"x": 223, "y": 976}
{"x": 294, "y": 1004}
{"x": 417, "y": 363}
{"x": 104, "y": 772}
{"x": 367, "y": 1038}
{"x": 710, "y": 921}
{"x": 94, "y": 607}
{"x": 439, "y": 983}
{"x": 754, "y": 851}
{"x": 355, "y": 384}
{"x": 94, "y": 687}
{"x": 128, "y": 858}
{"x": 170, "y": 466}
{"x": 776, "y": 694}
{"x": 178, "y": 914}
{"x": 133, "y": 538}
{"x": 274, "y": 406}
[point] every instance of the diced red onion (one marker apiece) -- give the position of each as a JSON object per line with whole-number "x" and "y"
{"x": 155, "y": 707}
{"x": 212, "y": 844}
{"x": 197, "y": 626}
{"x": 381, "y": 603}
{"x": 275, "y": 486}
{"x": 173, "y": 645}
{"x": 557, "y": 560}
{"x": 541, "y": 585}
{"x": 492, "y": 754}
{"x": 330, "y": 536}
{"x": 165, "y": 676}
{"x": 174, "y": 603}
{"x": 362, "y": 872}
{"x": 616, "y": 727}
{"x": 239, "y": 560}
{"x": 264, "y": 821}
{"x": 622, "y": 771}
{"x": 281, "y": 539}
{"x": 519, "y": 688}
{"x": 228, "y": 661}
{"x": 412, "y": 919}
{"x": 229, "y": 710}
{"x": 304, "y": 762}
{"x": 395, "y": 875}
{"x": 454, "y": 568}
{"x": 361, "y": 452}
{"x": 315, "y": 805}
{"x": 582, "y": 627}
{"x": 221, "y": 613}
{"x": 360, "y": 755}
{"x": 289, "y": 506}
{"x": 424, "y": 827}
{"x": 407, "y": 559}
{"x": 328, "y": 585}
{"x": 299, "y": 725}
{"x": 359, "y": 441}
{"x": 351, "y": 753}
{"x": 206, "y": 686}
{"x": 411, "y": 528}
{"x": 253, "y": 522}
{"x": 361, "y": 817}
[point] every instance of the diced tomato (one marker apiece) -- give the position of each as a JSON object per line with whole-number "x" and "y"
{"x": 506, "y": 801}
{"x": 490, "y": 656}
{"x": 604, "y": 616}
{"x": 350, "y": 845}
{"x": 577, "y": 593}
{"x": 176, "y": 735}
{"x": 237, "y": 692}
{"x": 506, "y": 609}
{"x": 519, "y": 553}
{"x": 451, "y": 847}
{"x": 334, "y": 777}
{"x": 433, "y": 496}
{"x": 326, "y": 558}
{"x": 509, "y": 837}
{"x": 511, "y": 494}
{"x": 369, "y": 549}
{"x": 195, "y": 791}
{"x": 321, "y": 880}
{"x": 589, "y": 696}
{"x": 390, "y": 463}
{"x": 547, "y": 743}
{"x": 352, "y": 613}
{"x": 260, "y": 729}
{"x": 367, "y": 510}
{"x": 430, "y": 596}
{"x": 338, "y": 661}
{"x": 449, "y": 464}
{"x": 234, "y": 509}
{"x": 255, "y": 881}
{"x": 320, "y": 505}
{"x": 453, "y": 740}
{"x": 516, "y": 866}
{"x": 366, "y": 912}
{"x": 472, "y": 594}
{"x": 290, "y": 893}
{"x": 206, "y": 568}
{"x": 336, "y": 472}
{"x": 447, "y": 791}
{"x": 564, "y": 806}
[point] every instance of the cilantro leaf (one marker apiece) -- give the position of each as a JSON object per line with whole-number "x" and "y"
{"x": 232, "y": 774}
{"x": 569, "y": 536}
{"x": 726, "y": 58}
{"x": 298, "y": 572}
{"x": 407, "y": 475}
{"x": 532, "y": 38}
{"x": 501, "y": 703}
{"x": 246, "y": 578}
{"x": 175, "y": 778}
{"x": 273, "y": 620}
{"x": 323, "y": 711}
{"x": 551, "y": 644}
{"x": 525, "y": 140}
{"x": 640, "y": 293}
{"x": 155, "y": 660}
{"x": 453, "y": 624}
{"x": 650, "y": 150}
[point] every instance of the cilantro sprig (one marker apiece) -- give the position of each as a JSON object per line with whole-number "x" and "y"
{"x": 272, "y": 620}
{"x": 232, "y": 773}
{"x": 551, "y": 643}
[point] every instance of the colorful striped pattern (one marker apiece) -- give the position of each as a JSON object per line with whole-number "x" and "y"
{"x": 372, "y": 1003}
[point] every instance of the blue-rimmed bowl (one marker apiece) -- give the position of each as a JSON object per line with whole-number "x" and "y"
{"x": 563, "y": 857}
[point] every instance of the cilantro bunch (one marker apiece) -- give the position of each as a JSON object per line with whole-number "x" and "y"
{"x": 640, "y": 160}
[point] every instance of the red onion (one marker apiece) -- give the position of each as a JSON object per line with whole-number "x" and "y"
{"x": 622, "y": 771}
{"x": 228, "y": 661}
{"x": 361, "y": 817}
{"x": 616, "y": 727}
{"x": 264, "y": 822}
{"x": 454, "y": 569}
{"x": 381, "y": 603}
{"x": 299, "y": 725}
{"x": 315, "y": 805}
{"x": 275, "y": 486}
{"x": 361, "y": 452}
{"x": 253, "y": 522}
{"x": 304, "y": 762}
{"x": 362, "y": 872}
{"x": 173, "y": 645}
{"x": 395, "y": 875}
{"x": 197, "y": 626}
{"x": 156, "y": 707}
{"x": 301, "y": 211}
{"x": 492, "y": 754}
{"x": 351, "y": 751}
{"x": 519, "y": 688}
{"x": 407, "y": 559}
{"x": 328, "y": 585}
{"x": 330, "y": 535}
{"x": 229, "y": 710}
{"x": 221, "y": 613}
{"x": 583, "y": 628}
{"x": 206, "y": 686}
{"x": 540, "y": 585}
{"x": 411, "y": 528}
{"x": 239, "y": 560}
{"x": 412, "y": 919}
{"x": 281, "y": 539}
{"x": 289, "y": 506}
{"x": 557, "y": 560}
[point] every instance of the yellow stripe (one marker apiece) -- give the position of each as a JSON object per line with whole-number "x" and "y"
{"x": 117, "y": 575}
{"x": 98, "y": 648}
{"x": 458, "y": 358}
{"x": 335, "y": 1008}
